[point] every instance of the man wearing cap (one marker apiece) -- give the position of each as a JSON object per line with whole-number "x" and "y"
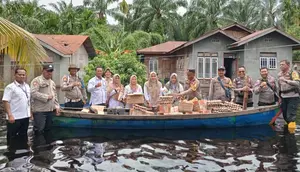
{"x": 44, "y": 100}
{"x": 242, "y": 84}
{"x": 191, "y": 86}
{"x": 72, "y": 85}
{"x": 266, "y": 88}
{"x": 221, "y": 87}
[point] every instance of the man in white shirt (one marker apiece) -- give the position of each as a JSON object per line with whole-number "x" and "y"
{"x": 16, "y": 100}
{"x": 97, "y": 88}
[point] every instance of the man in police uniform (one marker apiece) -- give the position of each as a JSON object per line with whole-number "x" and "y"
{"x": 266, "y": 88}
{"x": 191, "y": 86}
{"x": 289, "y": 84}
{"x": 72, "y": 85}
{"x": 44, "y": 100}
{"x": 242, "y": 84}
{"x": 221, "y": 87}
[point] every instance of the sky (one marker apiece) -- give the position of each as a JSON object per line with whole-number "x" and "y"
{"x": 109, "y": 18}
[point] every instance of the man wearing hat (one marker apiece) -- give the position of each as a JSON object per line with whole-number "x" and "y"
{"x": 191, "y": 86}
{"x": 44, "y": 100}
{"x": 221, "y": 87}
{"x": 72, "y": 85}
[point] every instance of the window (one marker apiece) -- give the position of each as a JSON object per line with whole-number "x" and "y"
{"x": 268, "y": 39}
{"x": 207, "y": 65}
{"x": 268, "y": 60}
{"x": 153, "y": 64}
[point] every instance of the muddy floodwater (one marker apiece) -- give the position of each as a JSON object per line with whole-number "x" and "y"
{"x": 259, "y": 148}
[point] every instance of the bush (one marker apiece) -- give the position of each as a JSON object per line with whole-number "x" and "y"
{"x": 123, "y": 64}
{"x": 156, "y": 38}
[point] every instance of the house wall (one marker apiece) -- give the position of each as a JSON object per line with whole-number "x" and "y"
{"x": 80, "y": 58}
{"x": 251, "y": 59}
{"x": 207, "y": 45}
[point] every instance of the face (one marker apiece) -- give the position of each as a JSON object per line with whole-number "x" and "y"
{"x": 108, "y": 74}
{"x": 133, "y": 80}
{"x": 153, "y": 77}
{"x": 20, "y": 76}
{"x": 73, "y": 71}
{"x": 190, "y": 75}
{"x": 242, "y": 72}
{"x": 173, "y": 79}
{"x": 99, "y": 72}
{"x": 117, "y": 79}
{"x": 264, "y": 73}
{"x": 221, "y": 72}
{"x": 284, "y": 66}
{"x": 47, "y": 74}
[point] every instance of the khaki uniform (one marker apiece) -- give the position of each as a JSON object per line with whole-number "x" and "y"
{"x": 266, "y": 94}
{"x": 289, "y": 95}
{"x": 192, "y": 89}
{"x": 41, "y": 88}
{"x": 239, "y": 83}
{"x": 73, "y": 94}
{"x": 216, "y": 92}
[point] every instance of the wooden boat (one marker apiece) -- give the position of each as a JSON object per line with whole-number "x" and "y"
{"x": 249, "y": 117}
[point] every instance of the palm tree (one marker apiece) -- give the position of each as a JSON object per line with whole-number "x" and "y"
{"x": 202, "y": 16}
{"x": 245, "y": 12}
{"x": 22, "y": 46}
{"x": 158, "y": 16}
{"x": 270, "y": 14}
{"x": 99, "y": 6}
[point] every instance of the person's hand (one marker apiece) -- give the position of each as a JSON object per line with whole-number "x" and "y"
{"x": 50, "y": 97}
{"x": 84, "y": 102}
{"x": 57, "y": 110}
{"x": 11, "y": 119}
{"x": 99, "y": 84}
{"x": 118, "y": 89}
{"x": 246, "y": 88}
{"x": 231, "y": 100}
{"x": 263, "y": 84}
{"x": 279, "y": 101}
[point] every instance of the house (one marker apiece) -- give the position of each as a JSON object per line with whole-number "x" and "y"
{"x": 231, "y": 46}
{"x": 62, "y": 50}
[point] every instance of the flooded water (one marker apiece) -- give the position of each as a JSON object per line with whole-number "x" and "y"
{"x": 259, "y": 148}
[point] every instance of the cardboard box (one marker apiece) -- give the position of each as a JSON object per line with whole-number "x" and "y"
{"x": 135, "y": 99}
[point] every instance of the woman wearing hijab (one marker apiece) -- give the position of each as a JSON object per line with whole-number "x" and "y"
{"x": 173, "y": 86}
{"x": 132, "y": 88}
{"x": 152, "y": 90}
{"x": 115, "y": 92}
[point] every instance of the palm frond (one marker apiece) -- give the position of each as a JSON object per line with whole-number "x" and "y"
{"x": 23, "y": 47}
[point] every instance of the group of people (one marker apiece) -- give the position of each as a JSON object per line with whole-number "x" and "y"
{"x": 39, "y": 100}
{"x": 285, "y": 91}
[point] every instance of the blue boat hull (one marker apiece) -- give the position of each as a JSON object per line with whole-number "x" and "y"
{"x": 259, "y": 117}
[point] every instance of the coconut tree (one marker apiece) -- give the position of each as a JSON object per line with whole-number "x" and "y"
{"x": 159, "y": 16}
{"x": 22, "y": 46}
{"x": 245, "y": 12}
{"x": 99, "y": 6}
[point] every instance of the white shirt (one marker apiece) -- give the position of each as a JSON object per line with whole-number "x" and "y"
{"x": 18, "y": 97}
{"x": 98, "y": 95}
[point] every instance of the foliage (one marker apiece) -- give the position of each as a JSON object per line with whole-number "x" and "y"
{"x": 22, "y": 46}
{"x": 123, "y": 64}
{"x": 156, "y": 38}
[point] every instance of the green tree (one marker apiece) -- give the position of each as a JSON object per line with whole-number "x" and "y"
{"x": 99, "y": 6}
{"x": 158, "y": 15}
{"x": 123, "y": 64}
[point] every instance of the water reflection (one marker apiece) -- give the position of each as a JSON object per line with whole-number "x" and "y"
{"x": 257, "y": 148}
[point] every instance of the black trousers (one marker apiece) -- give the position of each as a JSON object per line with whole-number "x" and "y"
{"x": 17, "y": 131}
{"x": 71, "y": 105}
{"x": 289, "y": 108}
{"x": 42, "y": 121}
{"x": 265, "y": 104}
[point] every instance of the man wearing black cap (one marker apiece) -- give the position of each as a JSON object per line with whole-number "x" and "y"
{"x": 221, "y": 87}
{"x": 44, "y": 100}
{"x": 191, "y": 86}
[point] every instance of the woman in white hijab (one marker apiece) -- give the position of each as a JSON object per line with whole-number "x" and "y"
{"x": 173, "y": 87}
